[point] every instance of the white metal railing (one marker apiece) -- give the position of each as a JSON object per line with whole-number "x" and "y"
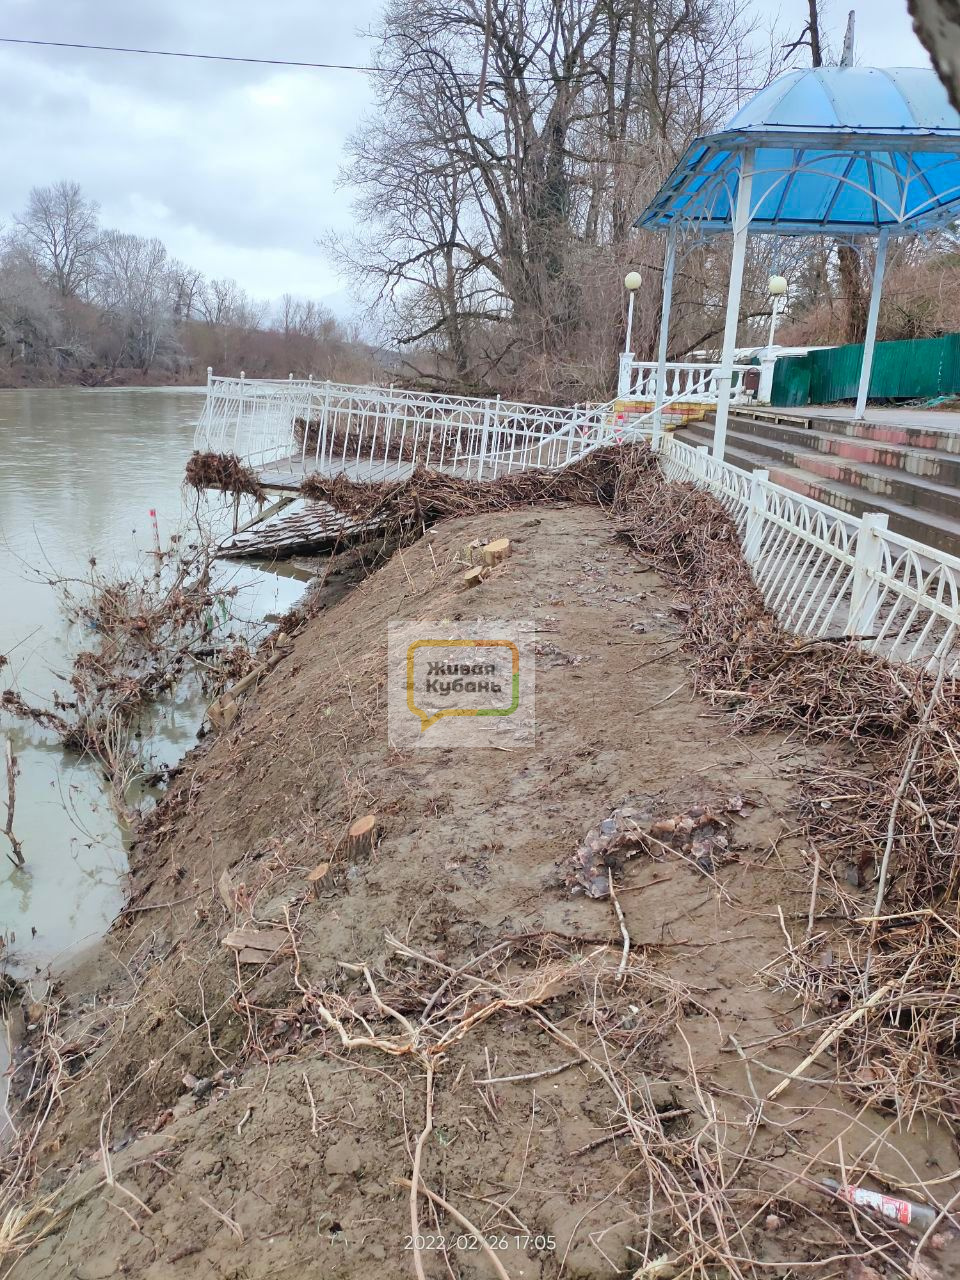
{"x": 377, "y": 433}
{"x": 694, "y": 381}
{"x": 825, "y": 573}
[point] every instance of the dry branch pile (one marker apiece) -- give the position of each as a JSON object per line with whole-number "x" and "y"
{"x": 223, "y": 471}
{"x": 143, "y": 635}
{"x": 412, "y": 505}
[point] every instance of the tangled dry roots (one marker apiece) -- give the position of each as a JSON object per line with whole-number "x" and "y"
{"x": 830, "y": 691}
{"x": 223, "y": 471}
{"x": 426, "y": 496}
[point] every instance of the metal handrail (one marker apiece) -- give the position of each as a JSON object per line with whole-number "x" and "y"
{"x": 822, "y": 572}
{"x": 825, "y": 573}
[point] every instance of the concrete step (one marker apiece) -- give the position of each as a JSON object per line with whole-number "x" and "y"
{"x": 934, "y": 465}
{"x": 930, "y": 514}
{"x": 942, "y": 440}
{"x": 904, "y": 487}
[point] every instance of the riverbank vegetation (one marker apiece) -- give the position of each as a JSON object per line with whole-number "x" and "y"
{"x": 156, "y": 635}
{"x": 86, "y": 304}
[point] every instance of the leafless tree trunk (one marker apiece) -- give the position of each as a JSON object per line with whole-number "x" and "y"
{"x": 937, "y": 23}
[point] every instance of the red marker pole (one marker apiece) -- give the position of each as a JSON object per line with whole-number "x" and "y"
{"x": 156, "y": 532}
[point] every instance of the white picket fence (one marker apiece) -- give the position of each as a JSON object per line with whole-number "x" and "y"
{"x": 822, "y": 572}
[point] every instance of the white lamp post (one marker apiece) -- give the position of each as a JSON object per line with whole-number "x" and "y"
{"x": 777, "y": 289}
{"x": 631, "y": 282}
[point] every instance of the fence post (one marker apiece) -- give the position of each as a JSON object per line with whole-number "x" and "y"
{"x": 756, "y": 513}
{"x": 306, "y": 422}
{"x": 623, "y": 378}
{"x": 322, "y": 436}
{"x": 864, "y": 588}
{"x": 485, "y": 438}
{"x": 236, "y": 444}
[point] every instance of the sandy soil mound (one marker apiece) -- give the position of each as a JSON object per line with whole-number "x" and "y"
{"x": 450, "y": 1037}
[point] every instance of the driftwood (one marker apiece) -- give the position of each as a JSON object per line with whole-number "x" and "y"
{"x": 224, "y": 710}
{"x": 223, "y": 471}
{"x": 16, "y": 857}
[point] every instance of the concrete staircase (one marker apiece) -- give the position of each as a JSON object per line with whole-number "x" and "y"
{"x": 912, "y": 473}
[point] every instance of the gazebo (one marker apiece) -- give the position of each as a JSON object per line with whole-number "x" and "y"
{"x": 845, "y": 151}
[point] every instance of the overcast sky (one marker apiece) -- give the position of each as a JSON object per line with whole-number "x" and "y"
{"x": 235, "y": 167}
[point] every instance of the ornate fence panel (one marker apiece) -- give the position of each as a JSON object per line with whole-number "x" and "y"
{"x": 376, "y": 433}
{"x": 827, "y": 574}
{"x": 822, "y": 572}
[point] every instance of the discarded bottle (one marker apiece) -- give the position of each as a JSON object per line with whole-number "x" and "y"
{"x": 903, "y": 1211}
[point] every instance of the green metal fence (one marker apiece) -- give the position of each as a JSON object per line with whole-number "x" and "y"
{"x": 912, "y": 370}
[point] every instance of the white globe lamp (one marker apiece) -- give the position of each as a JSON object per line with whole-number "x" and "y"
{"x": 777, "y": 289}
{"x": 631, "y": 282}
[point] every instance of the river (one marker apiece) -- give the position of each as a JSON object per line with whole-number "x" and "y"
{"x": 80, "y": 471}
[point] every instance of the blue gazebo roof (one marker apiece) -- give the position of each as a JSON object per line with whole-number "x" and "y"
{"x": 843, "y": 150}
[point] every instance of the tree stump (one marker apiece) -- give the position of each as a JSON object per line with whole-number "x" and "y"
{"x": 473, "y": 577}
{"x": 317, "y": 879}
{"x": 361, "y": 837}
{"x": 495, "y": 551}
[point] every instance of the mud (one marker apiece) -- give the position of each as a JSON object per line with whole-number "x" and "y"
{"x": 213, "y": 1125}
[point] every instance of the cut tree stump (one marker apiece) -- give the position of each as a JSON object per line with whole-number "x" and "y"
{"x": 473, "y": 577}
{"x": 317, "y": 879}
{"x": 495, "y": 551}
{"x": 361, "y": 836}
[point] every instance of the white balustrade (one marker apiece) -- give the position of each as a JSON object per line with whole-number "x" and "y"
{"x": 684, "y": 382}
{"x": 823, "y": 573}
{"x": 382, "y": 433}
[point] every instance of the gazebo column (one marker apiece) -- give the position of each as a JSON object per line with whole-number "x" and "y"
{"x": 741, "y": 229}
{"x": 870, "y": 338}
{"x": 669, "y": 263}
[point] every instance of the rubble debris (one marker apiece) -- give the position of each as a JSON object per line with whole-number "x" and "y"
{"x": 615, "y": 838}
{"x": 256, "y": 946}
{"x": 701, "y": 833}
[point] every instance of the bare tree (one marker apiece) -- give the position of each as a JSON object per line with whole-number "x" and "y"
{"x": 60, "y": 229}
{"x": 513, "y": 144}
{"x": 188, "y": 285}
{"x": 135, "y": 285}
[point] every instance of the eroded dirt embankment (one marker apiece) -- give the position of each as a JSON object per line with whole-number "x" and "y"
{"x": 587, "y": 1107}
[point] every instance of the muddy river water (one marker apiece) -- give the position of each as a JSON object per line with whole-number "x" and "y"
{"x": 80, "y": 471}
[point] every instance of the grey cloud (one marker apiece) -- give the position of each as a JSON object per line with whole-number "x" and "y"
{"x": 229, "y": 159}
